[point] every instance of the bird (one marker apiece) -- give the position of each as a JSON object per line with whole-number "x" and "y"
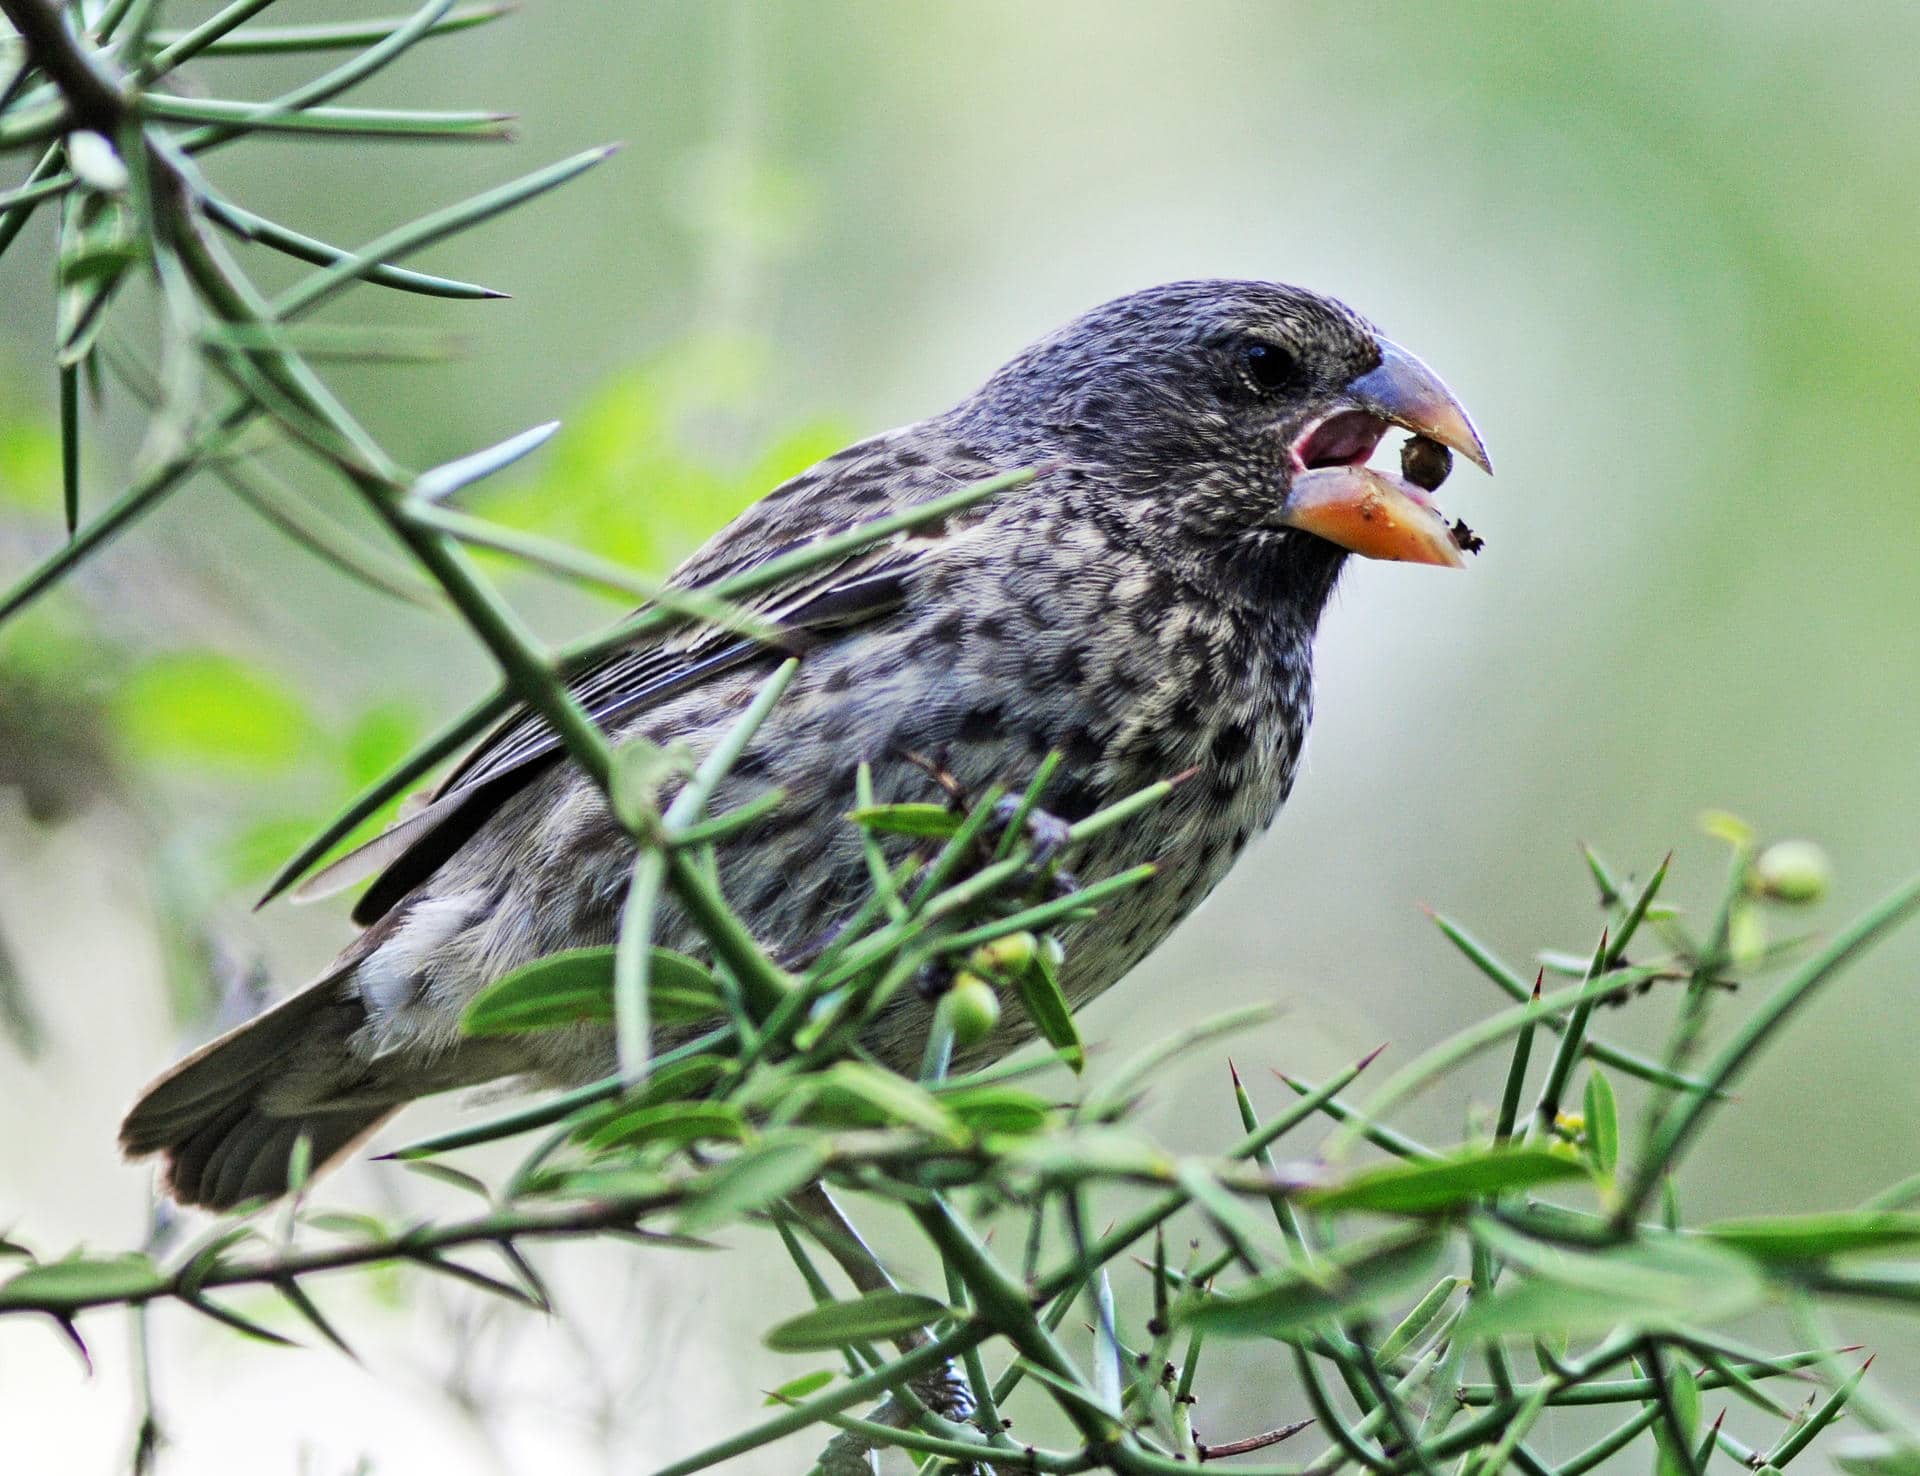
{"x": 1144, "y": 606}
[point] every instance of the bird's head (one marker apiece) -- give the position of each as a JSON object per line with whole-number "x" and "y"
{"x": 1233, "y": 421}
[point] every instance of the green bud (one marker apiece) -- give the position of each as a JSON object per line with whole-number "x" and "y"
{"x": 972, "y": 1008}
{"x": 1008, "y": 956}
{"x": 1794, "y": 871}
{"x": 1053, "y": 950}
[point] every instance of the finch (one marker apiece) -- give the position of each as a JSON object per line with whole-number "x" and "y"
{"x": 1145, "y": 606}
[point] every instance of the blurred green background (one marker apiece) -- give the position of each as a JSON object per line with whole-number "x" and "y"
{"x": 1667, "y": 256}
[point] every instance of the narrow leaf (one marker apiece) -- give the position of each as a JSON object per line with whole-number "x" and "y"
{"x": 1345, "y": 1283}
{"x": 884, "y": 1098}
{"x": 937, "y": 821}
{"x": 576, "y": 985}
{"x": 1656, "y": 1284}
{"x": 797, "y": 1389}
{"x": 880, "y": 1314}
{"x": 1046, "y": 1005}
{"x": 1450, "y": 1182}
{"x": 751, "y": 1182}
{"x": 1603, "y": 1124}
{"x": 670, "y": 1122}
{"x": 1787, "y": 1238}
{"x": 82, "y": 1282}
{"x": 1415, "y": 1323}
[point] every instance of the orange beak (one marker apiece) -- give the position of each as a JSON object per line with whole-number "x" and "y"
{"x": 1374, "y": 513}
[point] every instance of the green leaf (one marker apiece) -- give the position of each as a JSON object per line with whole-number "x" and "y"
{"x": 300, "y": 1163}
{"x": 670, "y": 1122}
{"x": 201, "y": 708}
{"x": 98, "y": 263}
{"x": 1046, "y": 1005}
{"x": 90, "y": 227}
{"x": 81, "y": 1282}
{"x": 576, "y": 985}
{"x": 753, "y": 1181}
{"x": 866, "y": 1095}
{"x": 1684, "y": 1392}
{"x": 1345, "y": 1283}
{"x": 449, "y": 1175}
{"x": 344, "y": 1223}
{"x": 601, "y": 1183}
{"x": 678, "y": 1082}
{"x": 1661, "y": 1283}
{"x": 881, "y": 1314}
{"x": 1425, "y": 1313}
{"x": 1816, "y": 1237}
{"x": 1432, "y": 1186}
{"x": 935, "y": 821}
{"x": 1603, "y": 1124}
{"x": 997, "y": 1109}
{"x": 795, "y": 1390}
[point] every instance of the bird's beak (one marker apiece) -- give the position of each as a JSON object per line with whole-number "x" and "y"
{"x": 1408, "y": 393}
{"x": 1375, "y": 513}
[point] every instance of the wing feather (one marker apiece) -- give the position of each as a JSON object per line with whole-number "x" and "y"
{"x": 860, "y": 484}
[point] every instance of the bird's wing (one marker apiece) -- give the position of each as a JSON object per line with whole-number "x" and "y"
{"x": 861, "y": 484}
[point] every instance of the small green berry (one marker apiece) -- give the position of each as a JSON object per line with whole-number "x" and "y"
{"x": 1004, "y": 957}
{"x": 972, "y": 1008}
{"x": 1793, "y": 871}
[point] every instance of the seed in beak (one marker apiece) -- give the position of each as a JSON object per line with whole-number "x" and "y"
{"x": 1425, "y": 463}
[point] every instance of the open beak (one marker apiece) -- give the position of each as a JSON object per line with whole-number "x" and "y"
{"x": 1336, "y": 496}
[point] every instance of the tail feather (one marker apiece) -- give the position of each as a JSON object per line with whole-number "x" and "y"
{"x": 241, "y": 1153}
{"x": 227, "y": 1117}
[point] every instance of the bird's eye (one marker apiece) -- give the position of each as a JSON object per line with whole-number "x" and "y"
{"x": 1271, "y": 366}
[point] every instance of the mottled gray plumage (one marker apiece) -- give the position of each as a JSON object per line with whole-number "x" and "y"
{"x": 1142, "y": 607}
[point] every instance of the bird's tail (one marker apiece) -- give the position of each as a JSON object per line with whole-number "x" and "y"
{"x": 226, "y": 1119}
